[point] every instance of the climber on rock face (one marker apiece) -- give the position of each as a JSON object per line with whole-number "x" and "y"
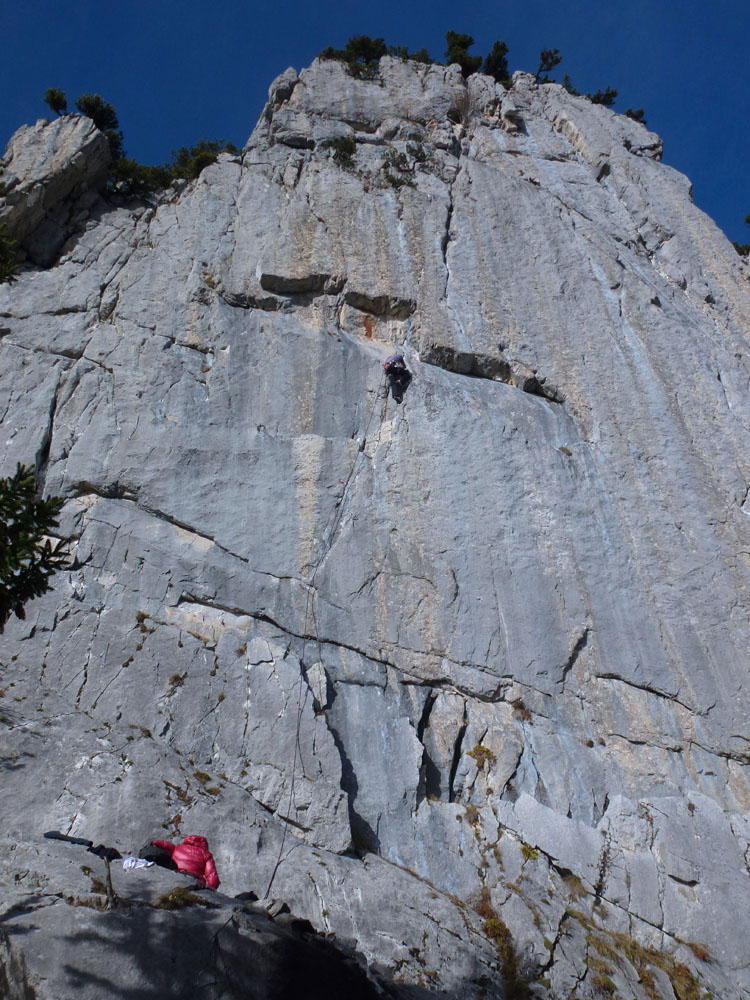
{"x": 193, "y": 857}
{"x": 398, "y": 374}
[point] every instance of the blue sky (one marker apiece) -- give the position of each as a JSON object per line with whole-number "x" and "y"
{"x": 180, "y": 71}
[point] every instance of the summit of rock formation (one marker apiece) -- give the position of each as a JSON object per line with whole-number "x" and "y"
{"x": 463, "y": 680}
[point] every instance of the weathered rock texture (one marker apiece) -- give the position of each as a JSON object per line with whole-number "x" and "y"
{"x": 49, "y": 178}
{"x": 474, "y": 662}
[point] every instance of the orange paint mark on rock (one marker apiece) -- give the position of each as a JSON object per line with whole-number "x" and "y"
{"x": 369, "y": 322}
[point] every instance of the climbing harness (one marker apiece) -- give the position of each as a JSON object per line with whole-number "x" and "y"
{"x": 328, "y": 535}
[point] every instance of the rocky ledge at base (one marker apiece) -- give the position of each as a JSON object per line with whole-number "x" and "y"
{"x": 159, "y": 935}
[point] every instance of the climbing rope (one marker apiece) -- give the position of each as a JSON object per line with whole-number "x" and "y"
{"x": 328, "y": 535}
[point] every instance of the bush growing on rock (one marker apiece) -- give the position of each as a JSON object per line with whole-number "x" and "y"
{"x": 27, "y": 557}
{"x": 457, "y": 51}
{"x": 637, "y": 115}
{"x": 548, "y": 59}
{"x": 743, "y": 249}
{"x": 8, "y": 265}
{"x": 56, "y": 99}
{"x": 186, "y": 163}
{"x": 606, "y": 97}
{"x": 362, "y": 55}
{"x": 496, "y": 65}
{"x": 104, "y": 116}
{"x": 344, "y": 148}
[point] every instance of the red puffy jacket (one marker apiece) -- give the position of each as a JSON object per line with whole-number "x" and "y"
{"x": 193, "y": 857}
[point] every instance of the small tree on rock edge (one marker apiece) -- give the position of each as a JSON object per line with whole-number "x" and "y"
{"x": 606, "y": 97}
{"x": 496, "y": 65}
{"x": 27, "y": 558}
{"x": 457, "y": 51}
{"x": 56, "y": 99}
{"x": 743, "y": 249}
{"x": 104, "y": 116}
{"x": 8, "y": 265}
{"x": 548, "y": 59}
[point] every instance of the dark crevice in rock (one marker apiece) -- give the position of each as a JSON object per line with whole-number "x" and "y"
{"x": 360, "y": 126}
{"x": 284, "y": 284}
{"x": 469, "y": 363}
{"x": 41, "y": 459}
{"x": 115, "y": 491}
{"x": 363, "y": 835}
{"x": 497, "y": 368}
{"x": 239, "y": 300}
{"x": 576, "y": 651}
{"x": 650, "y": 690}
{"x": 683, "y": 881}
{"x": 456, "y": 758}
{"x": 429, "y": 776}
{"x": 262, "y": 616}
{"x": 381, "y": 305}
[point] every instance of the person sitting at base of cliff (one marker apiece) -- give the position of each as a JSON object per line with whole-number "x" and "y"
{"x": 398, "y": 374}
{"x": 193, "y": 857}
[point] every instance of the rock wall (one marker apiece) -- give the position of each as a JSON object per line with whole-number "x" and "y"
{"x": 463, "y": 679}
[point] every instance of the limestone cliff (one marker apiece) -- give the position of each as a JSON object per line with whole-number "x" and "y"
{"x": 472, "y": 663}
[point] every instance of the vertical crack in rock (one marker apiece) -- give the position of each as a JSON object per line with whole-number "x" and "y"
{"x": 457, "y": 756}
{"x": 447, "y": 234}
{"x": 429, "y": 772}
{"x": 41, "y": 458}
{"x": 575, "y": 652}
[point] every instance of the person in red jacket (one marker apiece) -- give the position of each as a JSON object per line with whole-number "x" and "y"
{"x": 193, "y": 857}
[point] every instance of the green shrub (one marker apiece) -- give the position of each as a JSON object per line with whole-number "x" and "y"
{"x": 104, "y": 116}
{"x": 402, "y": 52}
{"x": 395, "y": 167}
{"x": 56, "y": 100}
{"x": 636, "y": 115}
{"x": 27, "y": 559}
{"x": 457, "y": 51}
{"x": 743, "y": 249}
{"x": 548, "y": 59}
{"x": 496, "y": 65}
{"x": 606, "y": 97}
{"x": 482, "y": 755}
{"x": 186, "y": 164}
{"x": 362, "y": 55}
{"x": 344, "y": 147}
{"x": 8, "y": 265}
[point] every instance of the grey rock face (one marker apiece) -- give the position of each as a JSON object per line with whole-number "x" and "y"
{"x": 50, "y": 175}
{"x": 413, "y": 669}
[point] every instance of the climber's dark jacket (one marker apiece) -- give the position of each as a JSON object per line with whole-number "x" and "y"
{"x": 398, "y": 374}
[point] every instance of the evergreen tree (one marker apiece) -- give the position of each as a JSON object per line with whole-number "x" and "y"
{"x": 104, "y": 116}
{"x": 457, "y": 51}
{"x": 361, "y": 55}
{"x": 637, "y": 116}
{"x": 8, "y": 264}
{"x": 548, "y": 59}
{"x": 743, "y": 249}
{"x": 496, "y": 65}
{"x": 606, "y": 97}
{"x": 56, "y": 100}
{"x": 27, "y": 559}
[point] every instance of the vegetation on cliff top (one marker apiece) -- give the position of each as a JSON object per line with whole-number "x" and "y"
{"x": 127, "y": 174}
{"x": 362, "y": 56}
